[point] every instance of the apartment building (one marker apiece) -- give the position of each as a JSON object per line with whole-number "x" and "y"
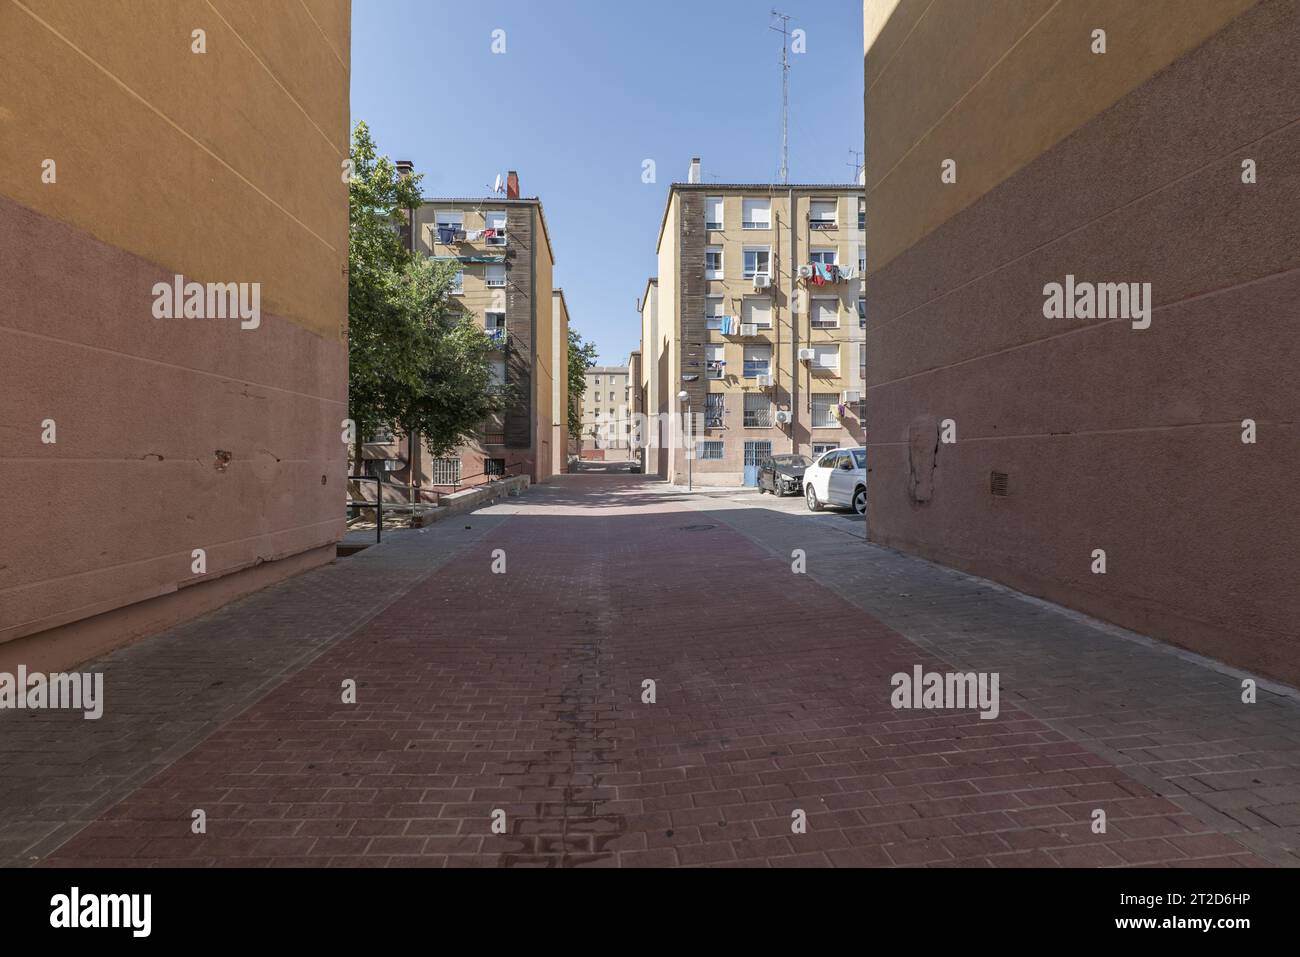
{"x": 560, "y": 383}
{"x": 607, "y": 408}
{"x": 167, "y": 465}
{"x": 1167, "y": 443}
{"x": 656, "y": 397}
{"x": 505, "y": 266}
{"x": 757, "y": 316}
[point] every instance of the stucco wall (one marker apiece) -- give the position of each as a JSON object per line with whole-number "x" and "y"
{"x": 223, "y": 166}
{"x": 1117, "y": 167}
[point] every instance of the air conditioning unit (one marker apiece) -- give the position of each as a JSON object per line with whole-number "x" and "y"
{"x": 783, "y": 417}
{"x": 763, "y": 381}
{"x": 762, "y": 281}
{"x": 805, "y": 272}
{"x": 851, "y": 395}
{"x": 749, "y": 328}
{"x": 807, "y": 355}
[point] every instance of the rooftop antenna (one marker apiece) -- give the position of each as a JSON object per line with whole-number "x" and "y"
{"x": 857, "y": 163}
{"x": 785, "y": 92}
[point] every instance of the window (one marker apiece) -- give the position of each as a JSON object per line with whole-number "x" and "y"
{"x": 827, "y": 358}
{"x": 714, "y": 364}
{"x": 824, "y": 256}
{"x": 713, "y": 212}
{"x": 862, "y": 359}
{"x": 862, "y": 262}
{"x": 714, "y": 409}
{"x": 758, "y": 360}
{"x": 450, "y": 218}
{"x": 862, "y": 310}
{"x": 445, "y": 471}
{"x": 495, "y": 274}
{"x": 862, "y": 215}
{"x": 756, "y": 453}
{"x": 596, "y": 379}
{"x": 713, "y": 263}
{"x": 859, "y": 458}
{"x": 821, "y": 448}
{"x": 495, "y": 323}
{"x": 458, "y": 283}
{"x": 758, "y": 411}
{"x": 758, "y": 310}
{"x": 495, "y": 221}
{"x": 496, "y": 375}
{"x": 713, "y": 312}
{"x": 611, "y": 397}
{"x": 821, "y": 214}
{"x": 825, "y": 314}
{"x": 711, "y": 451}
{"x": 494, "y": 467}
{"x": 823, "y": 410}
{"x": 757, "y": 214}
{"x": 758, "y": 261}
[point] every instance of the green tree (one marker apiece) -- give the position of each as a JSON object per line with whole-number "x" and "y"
{"x": 582, "y": 356}
{"x": 385, "y": 341}
{"x": 456, "y": 390}
{"x": 418, "y": 364}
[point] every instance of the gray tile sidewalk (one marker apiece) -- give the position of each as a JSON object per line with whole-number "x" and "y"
{"x": 1172, "y": 720}
{"x": 165, "y": 694}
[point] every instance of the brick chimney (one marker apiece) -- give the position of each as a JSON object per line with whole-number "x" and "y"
{"x": 512, "y": 185}
{"x": 404, "y": 168}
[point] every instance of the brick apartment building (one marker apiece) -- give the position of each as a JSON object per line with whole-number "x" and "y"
{"x": 607, "y": 408}
{"x": 756, "y": 315}
{"x": 161, "y": 467}
{"x": 1103, "y": 143}
{"x": 506, "y": 264}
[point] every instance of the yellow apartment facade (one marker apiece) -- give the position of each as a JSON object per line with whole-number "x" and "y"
{"x": 757, "y": 316}
{"x": 504, "y": 279}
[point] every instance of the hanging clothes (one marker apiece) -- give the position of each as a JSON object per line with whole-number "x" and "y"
{"x": 474, "y": 235}
{"x": 489, "y": 233}
{"x": 446, "y": 235}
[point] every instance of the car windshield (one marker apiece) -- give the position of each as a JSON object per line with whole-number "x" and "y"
{"x": 791, "y": 460}
{"x": 860, "y": 458}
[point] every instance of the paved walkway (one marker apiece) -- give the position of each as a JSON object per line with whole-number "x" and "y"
{"x": 516, "y": 698}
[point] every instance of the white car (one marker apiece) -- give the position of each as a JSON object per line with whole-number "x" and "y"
{"x": 839, "y": 477}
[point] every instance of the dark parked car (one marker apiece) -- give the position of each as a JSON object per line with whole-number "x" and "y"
{"x": 782, "y": 473}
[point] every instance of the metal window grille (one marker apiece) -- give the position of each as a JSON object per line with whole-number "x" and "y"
{"x": 758, "y": 412}
{"x": 446, "y": 471}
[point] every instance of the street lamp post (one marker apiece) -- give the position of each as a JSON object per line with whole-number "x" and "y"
{"x": 690, "y": 465}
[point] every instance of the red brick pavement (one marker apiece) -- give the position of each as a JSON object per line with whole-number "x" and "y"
{"x": 521, "y": 692}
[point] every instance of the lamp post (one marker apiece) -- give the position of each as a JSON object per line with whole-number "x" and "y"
{"x": 690, "y": 451}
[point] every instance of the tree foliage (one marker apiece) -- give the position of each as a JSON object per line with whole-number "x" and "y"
{"x": 582, "y": 356}
{"x": 417, "y": 362}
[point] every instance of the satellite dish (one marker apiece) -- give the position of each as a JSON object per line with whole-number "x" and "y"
{"x": 496, "y": 187}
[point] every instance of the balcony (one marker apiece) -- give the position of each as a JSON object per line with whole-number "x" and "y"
{"x": 500, "y": 338}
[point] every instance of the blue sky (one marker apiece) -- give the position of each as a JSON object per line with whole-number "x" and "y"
{"x": 589, "y": 89}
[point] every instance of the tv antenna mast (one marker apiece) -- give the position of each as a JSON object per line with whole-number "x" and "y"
{"x": 857, "y": 163}
{"x": 784, "y": 30}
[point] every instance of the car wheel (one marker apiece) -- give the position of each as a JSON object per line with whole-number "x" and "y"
{"x": 860, "y": 500}
{"x": 813, "y": 504}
